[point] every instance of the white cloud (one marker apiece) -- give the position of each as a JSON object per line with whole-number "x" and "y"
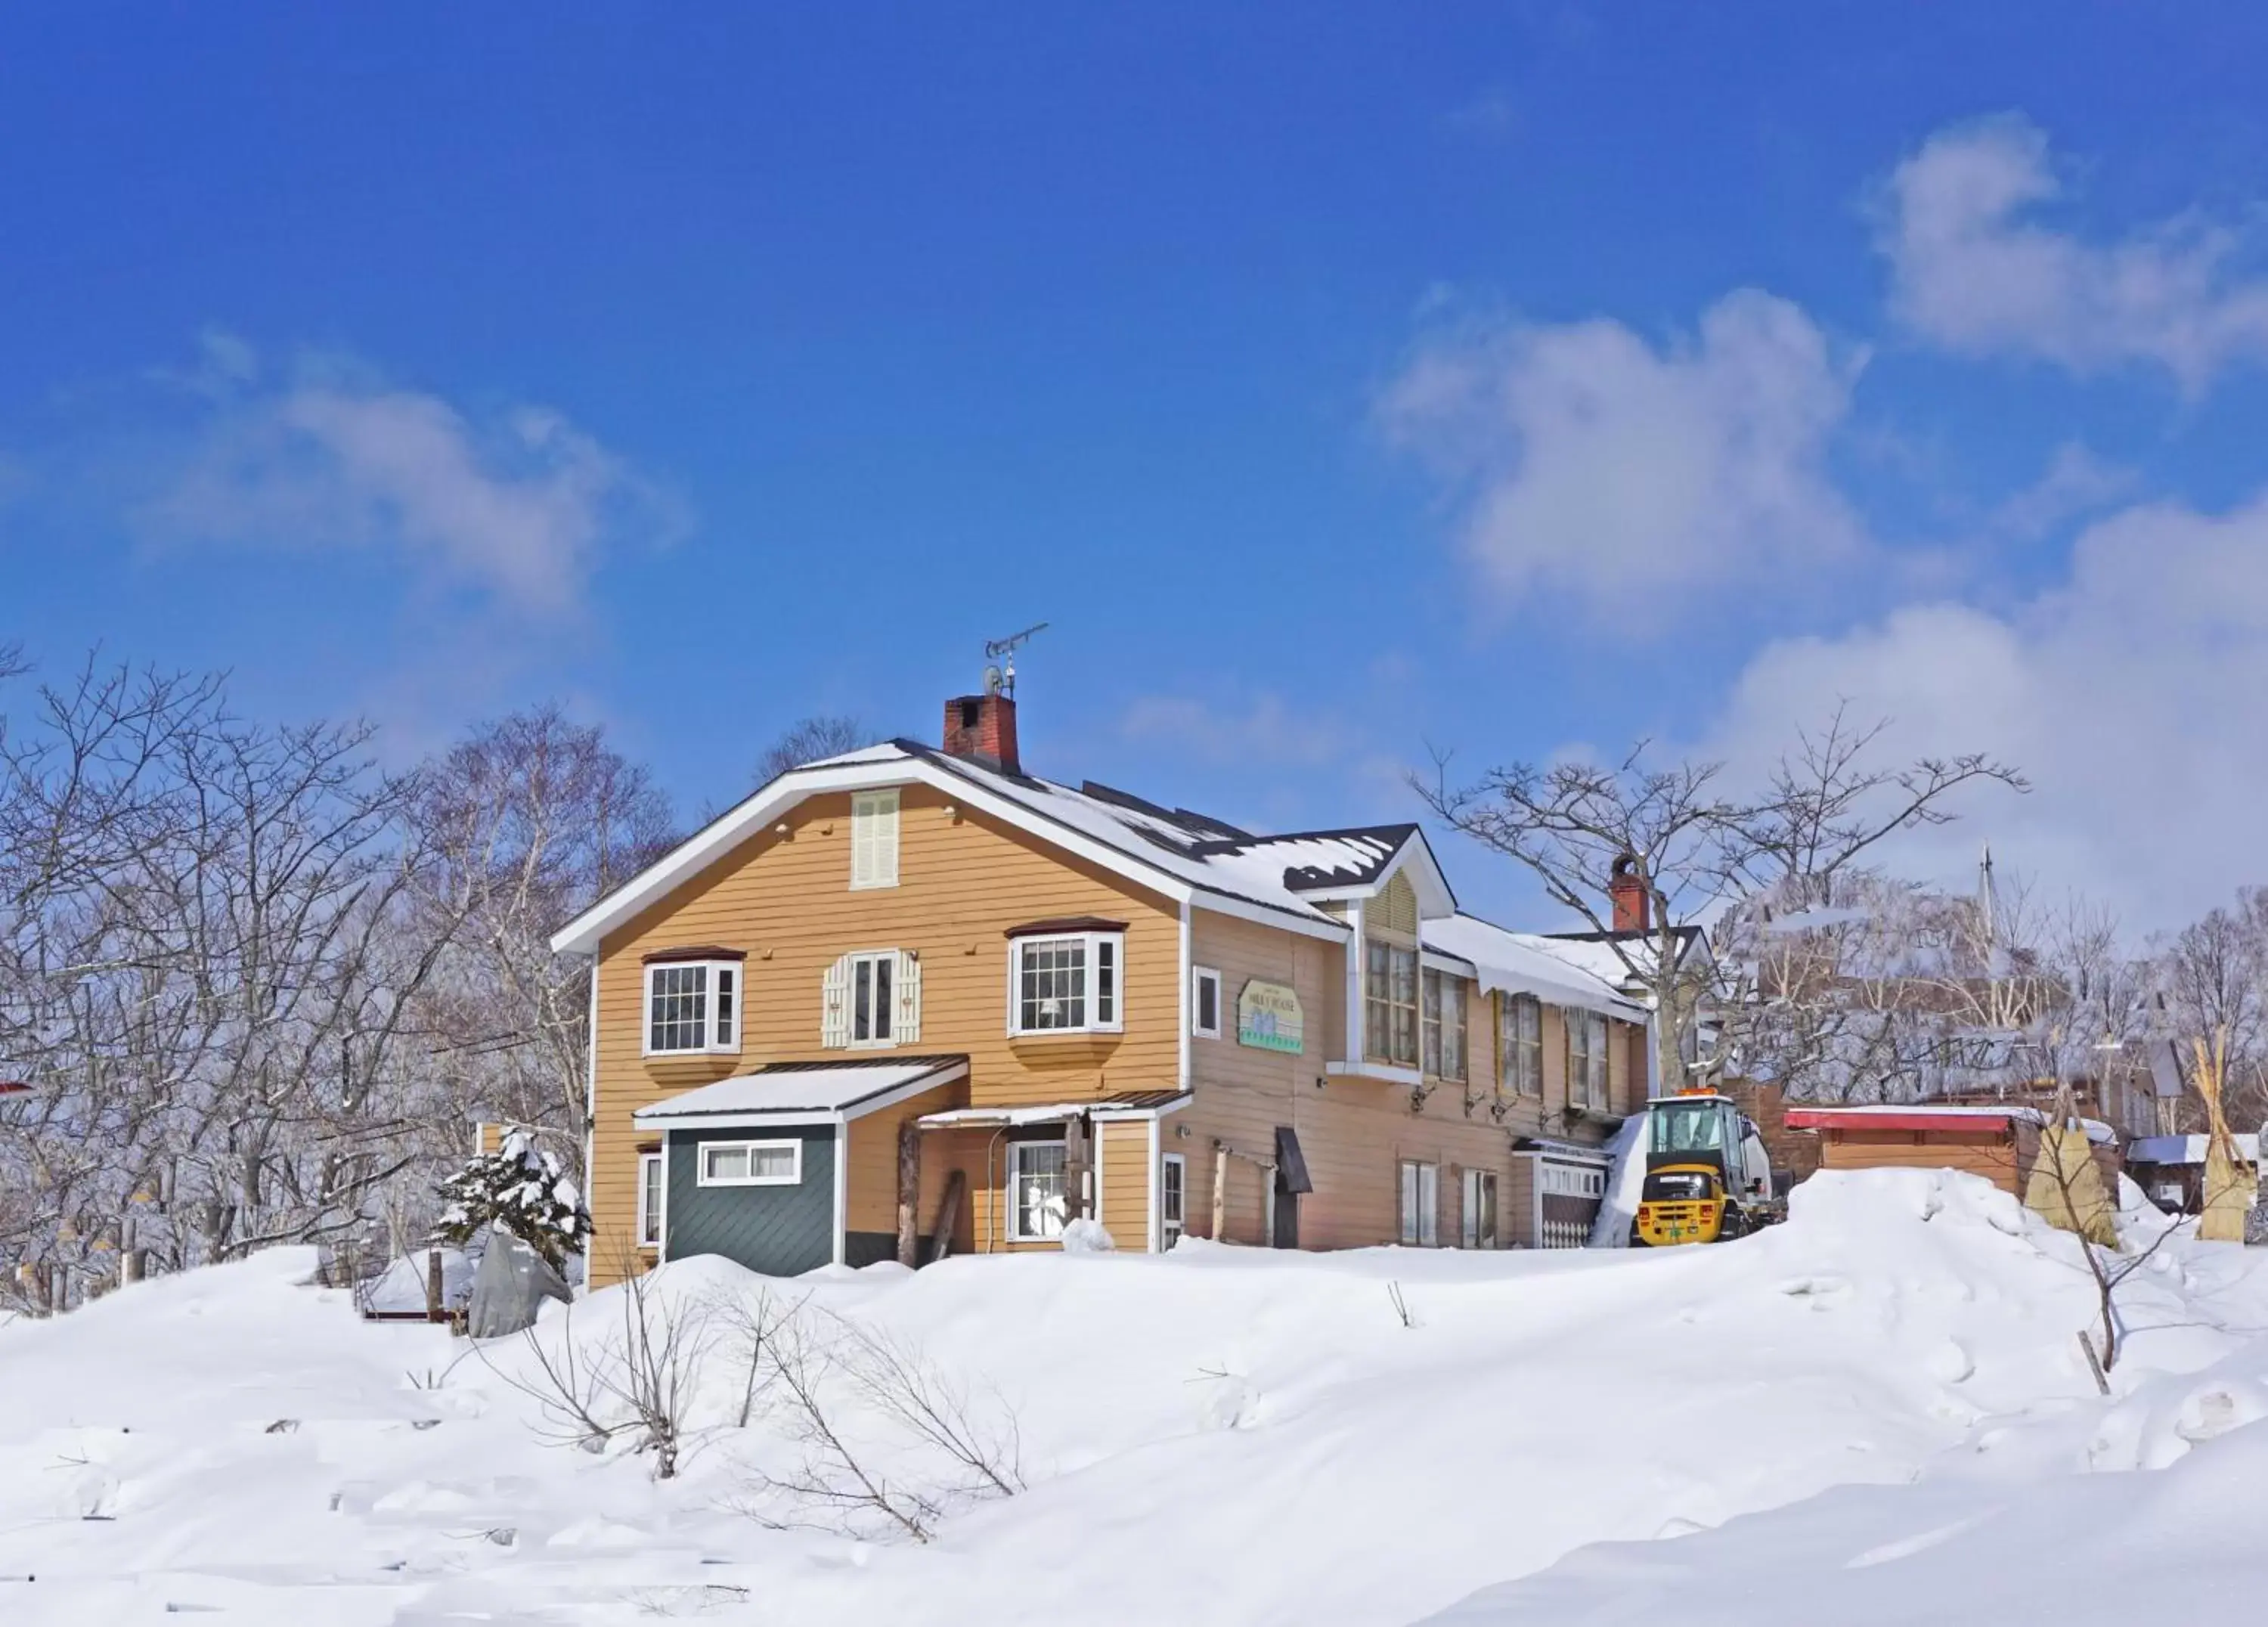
{"x": 1592, "y": 465}
{"x": 1974, "y": 270}
{"x": 2128, "y": 692}
{"x": 518, "y": 507}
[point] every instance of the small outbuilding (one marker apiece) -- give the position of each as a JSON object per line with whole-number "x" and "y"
{"x": 2000, "y": 1143}
{"x": 2170, "y": 1169}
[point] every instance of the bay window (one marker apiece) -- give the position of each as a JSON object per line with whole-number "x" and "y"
{"x": 1066, "y": 983}
{"x": 692, "y": 1006}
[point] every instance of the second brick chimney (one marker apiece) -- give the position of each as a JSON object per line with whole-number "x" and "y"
{"x": 1633, "y": 908}
{"x": 982, "y": 729}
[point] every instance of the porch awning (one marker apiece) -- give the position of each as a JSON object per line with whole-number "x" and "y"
{"x": 803, "y": 1091}
{"x": 1127, "y": 1104}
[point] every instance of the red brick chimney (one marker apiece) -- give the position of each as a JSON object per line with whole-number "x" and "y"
{"x": 1633, "y": 908}
{"x": 982, "y": 729}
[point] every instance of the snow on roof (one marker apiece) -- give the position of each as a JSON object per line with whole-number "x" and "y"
{"x": 1274, "y": 870}
{"x": 1922, "y": 1115}
{"x": 2185, "y": 1149}
{"x": 808, "y": 1088}
{"x": 1516, "y": 962}
{"x": 1055, "y": 1112}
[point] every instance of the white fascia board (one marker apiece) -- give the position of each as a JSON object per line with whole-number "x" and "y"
{"x": 1416, "y": 856}
{"x": 689, "y": 857}
{"x": 1442, "y": 960}
{"x": 896, "y": 1094}
{"x": 1307, "y": 926}
{"x": 785, "y": 1117}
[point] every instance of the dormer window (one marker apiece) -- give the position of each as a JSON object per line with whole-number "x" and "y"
{"x": 693, "y": 1002}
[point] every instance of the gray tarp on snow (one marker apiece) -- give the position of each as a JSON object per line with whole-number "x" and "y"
{"x": 512, "y": 1281}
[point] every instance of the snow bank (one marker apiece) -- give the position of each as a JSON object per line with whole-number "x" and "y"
{"x": 1220, "y": 1435}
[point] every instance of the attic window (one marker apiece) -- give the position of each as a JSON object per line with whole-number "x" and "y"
{"x": 875, "y": 839}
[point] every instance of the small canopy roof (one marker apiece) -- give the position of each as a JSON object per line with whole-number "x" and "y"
{"x": 1945, "y": 1117}
{"x": 786, "y": 1091}
{"x": 2187, "y": 1149}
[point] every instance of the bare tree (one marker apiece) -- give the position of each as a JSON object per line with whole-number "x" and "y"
{"x": 810, "y": 738}
{"x": 1690, "y": 847}
{"x": 527, "y": 822}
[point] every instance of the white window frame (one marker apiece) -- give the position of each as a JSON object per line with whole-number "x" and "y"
{"x": 1016, "y": 1149}
{"x": 1094, "y": 942}
{"x": 873, "y": 826}
{"x": 1200, "y": 977}
{"x": 1171, "y": 1226}
{"x": 1419, "y": 1226}
{"x": 707, "y": 1150}
{"x": 1592, "y": 1090}
{"x": 888, "y": 1010}
{"x": 652, "y": 1192}
{"x": 1469, "y": 1232}
{"x": 715, "y": 1041}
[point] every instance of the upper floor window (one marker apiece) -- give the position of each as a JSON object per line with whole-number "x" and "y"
{"x": 875, "y": 838}
{"x": 1065, "y": 980}
{"x": 1586, "y": 1060}
{"x": 1205, "y": 1003}
{"x": 872, "y": 997}
{"x": 1445, "y": 1025}
{"x": 692, "y": 1006}
{"x": 1520, "y": 1045}
{"x": 1390, "y": 1025}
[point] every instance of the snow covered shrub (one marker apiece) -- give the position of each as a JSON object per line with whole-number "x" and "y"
{"x": 518, "y": 1189}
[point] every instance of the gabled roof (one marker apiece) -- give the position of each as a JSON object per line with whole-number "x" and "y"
{"x": 1185, "y": 856}
{"x": 1600, "y": 953}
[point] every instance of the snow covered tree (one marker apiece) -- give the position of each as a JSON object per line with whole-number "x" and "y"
{"x": 521, "y": 1189}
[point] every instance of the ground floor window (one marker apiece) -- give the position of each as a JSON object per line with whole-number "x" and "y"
{"x": 1480, "y": 1208}
{"x": 751, "y": 1163}
{"x": 1421, "y": 1205}
{"x": 1173, "y": 1198}
{"x": 1035, "y": 1192}
{"x": 649, "y": 1200}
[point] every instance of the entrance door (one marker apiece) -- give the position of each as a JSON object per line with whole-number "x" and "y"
{"x": 1286, "y": 1208}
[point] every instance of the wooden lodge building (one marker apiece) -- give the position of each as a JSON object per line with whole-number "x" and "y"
{"x": 913, "y": 1000}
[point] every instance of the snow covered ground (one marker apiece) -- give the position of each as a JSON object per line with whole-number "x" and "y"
{"x": 1877, "y": 1412}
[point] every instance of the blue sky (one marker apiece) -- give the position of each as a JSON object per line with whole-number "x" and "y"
{"x": 1333, "y": 379}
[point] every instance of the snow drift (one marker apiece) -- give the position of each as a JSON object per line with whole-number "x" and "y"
{"x": 1220, "y": 1435}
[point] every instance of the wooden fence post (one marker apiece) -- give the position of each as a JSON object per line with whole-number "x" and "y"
{"x": 1220, "y": 1190}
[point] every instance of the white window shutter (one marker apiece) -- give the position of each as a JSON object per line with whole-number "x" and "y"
{"x": 906, "y": 1029}
{"x": 886, "y": 843}
{"x": 834, "y": 1006}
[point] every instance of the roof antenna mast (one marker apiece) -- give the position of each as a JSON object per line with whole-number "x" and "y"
{"x": 1001, "y": 680}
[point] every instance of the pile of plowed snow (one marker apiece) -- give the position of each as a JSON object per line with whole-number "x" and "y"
{"x": 1221, "y": 1435}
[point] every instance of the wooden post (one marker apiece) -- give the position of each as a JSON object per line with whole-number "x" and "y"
{"x": 948, "y": 1215}
{"x": 1220, "y": 1190}
{"x": 433, "y": 1311}
{"x": 1076, "y": 1164}
{"x": 910, "y": 1137}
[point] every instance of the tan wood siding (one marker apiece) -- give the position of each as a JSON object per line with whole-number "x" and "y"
{"x": 870, "y": 1197}
{"x": 784, "y": 899}
{"x": 1124, "y": 1208}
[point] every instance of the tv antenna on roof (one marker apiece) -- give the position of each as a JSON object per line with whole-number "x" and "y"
{"x": 1001, "y": 680}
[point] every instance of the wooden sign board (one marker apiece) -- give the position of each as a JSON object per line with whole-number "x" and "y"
{"x": 1268, "y": 1017}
